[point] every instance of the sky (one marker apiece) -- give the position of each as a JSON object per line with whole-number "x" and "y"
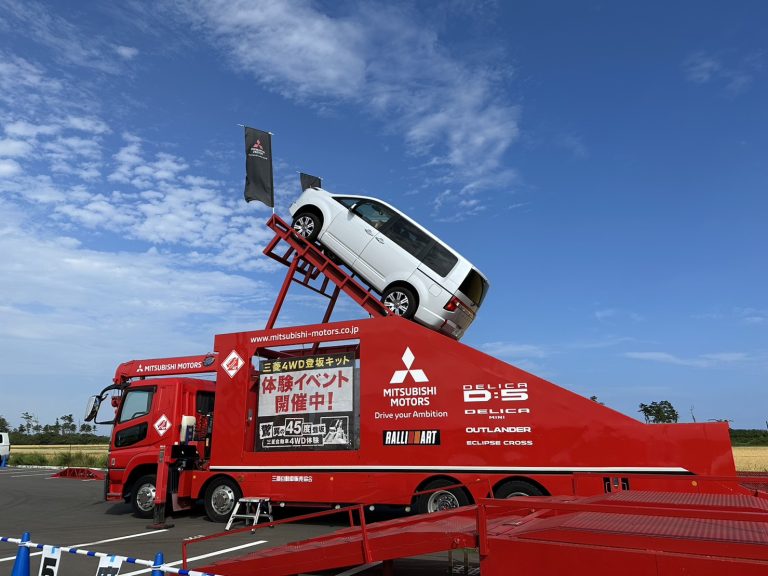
{"x": 604, "y": 164}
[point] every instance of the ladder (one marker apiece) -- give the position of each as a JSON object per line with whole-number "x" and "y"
{"x": 309, "y": 266}
{"x": 249, "y": 513}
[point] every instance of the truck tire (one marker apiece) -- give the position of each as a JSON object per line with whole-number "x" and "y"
{"x": 307, "y": 225}
{"x": 440, "y": 500}
{"x": 143, "y": 496}
{"x": 220, "y": 498}
{"x": 514, "y": 488}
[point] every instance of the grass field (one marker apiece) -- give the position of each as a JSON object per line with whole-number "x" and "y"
{"x": 751, "y": 459}
{"x": 748, "y": 459}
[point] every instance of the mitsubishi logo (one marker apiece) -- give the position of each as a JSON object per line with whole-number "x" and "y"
{"x": 418, "y": 375}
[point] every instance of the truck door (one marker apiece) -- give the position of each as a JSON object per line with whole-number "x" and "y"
{"x": 132, "y": 423}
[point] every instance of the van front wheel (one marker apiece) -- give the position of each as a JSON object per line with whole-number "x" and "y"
{"x": 401, "y": 301}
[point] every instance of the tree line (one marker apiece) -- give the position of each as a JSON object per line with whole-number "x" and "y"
{"x": 63, "y": 431}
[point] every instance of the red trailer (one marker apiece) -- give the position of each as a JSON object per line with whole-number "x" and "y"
{"x": 373, "y": 411}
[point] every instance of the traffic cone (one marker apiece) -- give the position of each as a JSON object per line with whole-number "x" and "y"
{"x": 21, "y": 565}
{"x": 159, "y": 561}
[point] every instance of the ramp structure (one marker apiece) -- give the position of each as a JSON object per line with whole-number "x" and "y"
{"x": 631, "y": 533}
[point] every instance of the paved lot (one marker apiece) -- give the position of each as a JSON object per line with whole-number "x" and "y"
{"x": 70, "y": 512}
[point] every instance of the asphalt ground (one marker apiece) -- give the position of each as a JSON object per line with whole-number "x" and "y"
{"x": 72, "y": 512}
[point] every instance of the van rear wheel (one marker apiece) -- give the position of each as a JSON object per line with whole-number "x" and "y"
{"x": 401, "y": 301}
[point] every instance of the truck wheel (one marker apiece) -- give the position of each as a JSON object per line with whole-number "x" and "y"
{"x": 515, "y": 488}
{"x": 400, "y": 300}
{"x": 307, "y": 225}
{"x": 143, "y": 496}
{"x": 220, "y": 498}
{"x": 440, "y": 500}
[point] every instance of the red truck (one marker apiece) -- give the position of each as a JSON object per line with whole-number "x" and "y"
{"x": 372, "y": 411}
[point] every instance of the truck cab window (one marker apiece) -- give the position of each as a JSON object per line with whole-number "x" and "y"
{"x": 136, "y": 404}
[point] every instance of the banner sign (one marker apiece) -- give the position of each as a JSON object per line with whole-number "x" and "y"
{"x": 307, "y": 403}
{"x": 258, "y": 167}
{"x": 309, "y": 181}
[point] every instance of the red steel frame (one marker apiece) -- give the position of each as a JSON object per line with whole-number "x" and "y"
{"x": 306, "y": 263}
{"x": 543, "y": 536}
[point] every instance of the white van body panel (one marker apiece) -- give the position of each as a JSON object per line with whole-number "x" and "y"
{"x": 381, "y": 262}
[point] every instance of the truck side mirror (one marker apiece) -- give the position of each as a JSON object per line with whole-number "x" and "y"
{"x": 92, "y": 408}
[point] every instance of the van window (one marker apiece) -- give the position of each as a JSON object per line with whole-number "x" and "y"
{"x": 377, "y": 215}
{"x": 347, "y": 201}
{"x": 440, "y": 259}
{"x": 474, "y": 287}
{"x": 136, "y": 404}
{"x": 408, "y": 237}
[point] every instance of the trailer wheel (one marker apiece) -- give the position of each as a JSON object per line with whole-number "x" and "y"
{"x": 143, "y": 496}
{"x": 220, "y": 498}
{"x": 400, "y": 300}
{"x": 307, "y": 225}
{"x": 440, "y": 500}
{"x": 514, "y": 488}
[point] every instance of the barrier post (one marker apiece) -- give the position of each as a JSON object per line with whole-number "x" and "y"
{"x": 159, "y": 561}
{"x": 21, "y": 564}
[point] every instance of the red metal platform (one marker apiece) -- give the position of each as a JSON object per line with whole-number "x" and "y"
{"x": 632, "y": 533}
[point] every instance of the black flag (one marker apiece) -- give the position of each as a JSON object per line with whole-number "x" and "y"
{"x": 309, "y": 181}
{"x": 258, "y": 167}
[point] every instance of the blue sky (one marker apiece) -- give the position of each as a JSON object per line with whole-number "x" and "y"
{"x": 603, "y": 163}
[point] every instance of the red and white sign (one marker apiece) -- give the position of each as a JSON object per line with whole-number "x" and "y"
{"x": 162, "y": 425}
{"x": 232, "y": 364}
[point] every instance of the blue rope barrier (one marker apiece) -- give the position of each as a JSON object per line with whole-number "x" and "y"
{"x": 158, "y": 568}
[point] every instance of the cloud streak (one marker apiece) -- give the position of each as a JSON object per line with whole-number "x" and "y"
{"x": 386, "y": 60}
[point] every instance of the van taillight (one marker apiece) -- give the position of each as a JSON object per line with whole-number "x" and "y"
{"x": 455, "y": 303}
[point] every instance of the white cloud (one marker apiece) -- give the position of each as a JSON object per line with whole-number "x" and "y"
{"x": 9, "y": 168}
{"x": 514, "y": 350}
{"x": 735, "y": 76}
{"x": 388, "y": 60}
{"x": 67, "y": 41}
{"x": 615, "y": 315}
{"x": 127, "y": 52}
{"x": 24, "y": 129}
{"x": 701, "y": 68}
{"x": 14, "y": 148}
{"x": 713, "y": 360}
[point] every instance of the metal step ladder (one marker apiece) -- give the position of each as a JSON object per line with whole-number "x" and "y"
{"x": 249, "y": 513}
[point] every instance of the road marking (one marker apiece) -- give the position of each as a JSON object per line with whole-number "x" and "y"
{"x": 193, "y": 558}
{"x": 26, "y": 475}
{"x": 137, "y": 535}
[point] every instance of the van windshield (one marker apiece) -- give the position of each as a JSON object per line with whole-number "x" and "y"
{"x": 474, "y": 287}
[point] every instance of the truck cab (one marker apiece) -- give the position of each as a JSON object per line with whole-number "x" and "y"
{"x": 150, "y": 412}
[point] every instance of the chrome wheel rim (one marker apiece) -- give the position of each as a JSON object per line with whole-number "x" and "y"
{"x": 223, "y": 500}
{"x": 442, "y": 500}
{"x": 145, "y": 497}
{"x": 397, "y": 302}
{"x": 304, "y": 226}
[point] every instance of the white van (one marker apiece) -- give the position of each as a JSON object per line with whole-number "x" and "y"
{"x": 418, "y": 276}
{"x": 5, "y": 446}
